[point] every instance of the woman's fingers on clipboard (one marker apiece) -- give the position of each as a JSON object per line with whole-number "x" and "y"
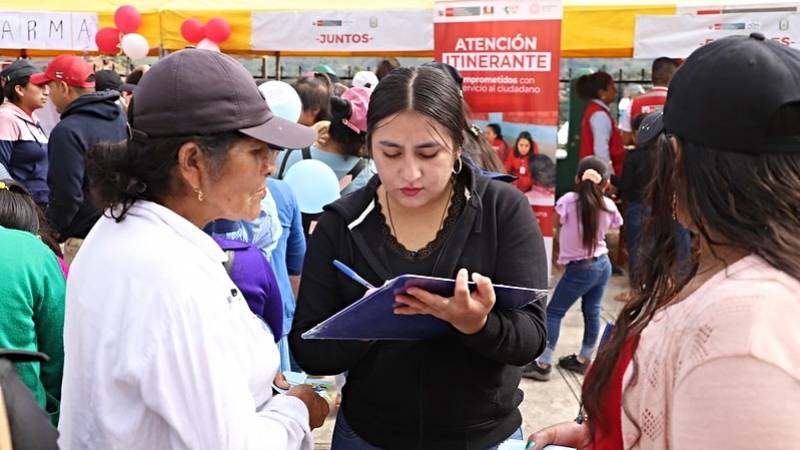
{"x": 466, "y": 311}
{"x": 471, "y": 309}
{"x": 484, "y": 291}
{"x": 417, "y": 301}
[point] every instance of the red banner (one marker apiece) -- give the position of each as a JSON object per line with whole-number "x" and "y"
{"x": 508, "y": 66}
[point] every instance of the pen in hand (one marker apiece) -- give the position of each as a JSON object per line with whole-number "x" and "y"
{"x": 352, "y": 274}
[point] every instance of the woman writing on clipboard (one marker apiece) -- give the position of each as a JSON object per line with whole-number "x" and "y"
{"x": 425, "y": 213}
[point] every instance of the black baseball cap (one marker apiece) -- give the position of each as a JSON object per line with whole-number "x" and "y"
{"x": 199, "y": 92}
{"x": 726, "y": 93}
{"x": 20, "y": 68}
{"x": 652, "y": 125}
{"x": 107, "y": 79}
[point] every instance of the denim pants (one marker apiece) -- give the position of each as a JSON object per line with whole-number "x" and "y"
{"x": 344, "y": 438}
{"x": 587, "y": 280}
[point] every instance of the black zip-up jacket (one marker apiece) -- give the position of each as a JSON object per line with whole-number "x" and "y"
{"x": 90, "y": 119}
{"x": 457, "y": 392}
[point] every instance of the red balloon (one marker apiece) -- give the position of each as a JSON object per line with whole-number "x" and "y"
{"x": 127, "y": 19}
{"x": 218, "y": 30}
{"x": 107, "y": 40}
{"x": 192, "y": 30}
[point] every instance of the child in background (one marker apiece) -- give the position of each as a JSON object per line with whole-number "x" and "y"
{"x": 518, "y": 161}
{"x": 586, "y": 216}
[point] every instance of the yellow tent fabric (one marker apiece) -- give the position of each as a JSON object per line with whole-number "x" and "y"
{"x": 605, "y": 28}
{"x": 603, "y": 31}
{"x": 590, "y": 28}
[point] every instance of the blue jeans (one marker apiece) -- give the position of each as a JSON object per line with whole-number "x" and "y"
{"x": 344, "y": 438}
{"x": 585, "y": 279}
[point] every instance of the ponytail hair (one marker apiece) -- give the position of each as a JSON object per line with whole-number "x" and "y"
{"x": 314, "y": 92}
{"x": 589, "y": 86}
{"x": 593, "y": 174}
{"x": 349, "y": 141}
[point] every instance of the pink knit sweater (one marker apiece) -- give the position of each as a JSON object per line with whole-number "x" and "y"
{"x": 721, "y": 369}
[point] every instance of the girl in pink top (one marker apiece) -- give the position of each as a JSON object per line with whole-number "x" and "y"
{"x": 586, "y": 216}
{"x": 716, "y": 344}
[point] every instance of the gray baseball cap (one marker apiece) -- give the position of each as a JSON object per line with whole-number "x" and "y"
{"x": 200, "y": 92}
{"x": 19, "y": 69}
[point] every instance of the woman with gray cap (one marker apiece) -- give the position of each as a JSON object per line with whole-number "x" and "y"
{"x": 710, "y": 358}
{"x": 162, "y": 350}
{"x": 23, "y": 143}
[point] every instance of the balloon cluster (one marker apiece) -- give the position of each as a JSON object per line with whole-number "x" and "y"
{"x": 208, "y": 36}
{"x": 127, "y": 20}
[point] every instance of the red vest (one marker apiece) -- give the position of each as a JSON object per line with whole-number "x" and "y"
{"x": 615, "y": 147}
{"x": 520, "y": 168}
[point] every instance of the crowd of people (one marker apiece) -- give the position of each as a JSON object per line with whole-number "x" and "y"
{"x": 161, "y": 273}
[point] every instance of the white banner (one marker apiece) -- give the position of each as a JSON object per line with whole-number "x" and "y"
{"x": 347, "y": 31}
{"x": 48, "y": 30}
{"x": 449, "y": 11}
{"x": 679, "y": 36}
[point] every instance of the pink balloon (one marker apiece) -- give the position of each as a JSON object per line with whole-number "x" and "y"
{"x": 218, "y": 30}
{"x": 127, "y": 19}
{"x": 107, "y": 40}
{"x": 193, "y": 31}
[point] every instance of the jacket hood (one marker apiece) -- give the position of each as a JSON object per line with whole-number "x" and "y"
{"x": 98, "y": 104}
{"x": 17, "y": 112}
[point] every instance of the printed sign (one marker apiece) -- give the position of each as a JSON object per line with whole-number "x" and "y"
{"x": 48, "y": 31}
{"x": 679, "y": 36}
{"x": 508, "y": 55}
{"x": 351, "y": 31}
{"x": 507, "y": 52}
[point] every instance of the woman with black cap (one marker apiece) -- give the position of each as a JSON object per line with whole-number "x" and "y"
{"x": 710, "y": 358}
{"x": 163, "y": 351}
{"x": 23, "y": 143}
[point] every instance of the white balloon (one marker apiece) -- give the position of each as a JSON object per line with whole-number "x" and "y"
{"x": 282, "y": 99}
{"x": 207, "y": 44}
{"x": 135, "y": 46}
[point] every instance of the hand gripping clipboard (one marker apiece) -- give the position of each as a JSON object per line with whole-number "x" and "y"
{"x": 373, "y": 318}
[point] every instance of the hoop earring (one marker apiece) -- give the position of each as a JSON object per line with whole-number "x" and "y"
{"x": 460, "y": 166}
{"x": 200, "y": 196}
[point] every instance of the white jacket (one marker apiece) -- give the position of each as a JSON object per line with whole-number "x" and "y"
{"x": 161, "y": 350}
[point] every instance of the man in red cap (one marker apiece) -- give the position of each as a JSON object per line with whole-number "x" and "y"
{"x": 87, "y": 117}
